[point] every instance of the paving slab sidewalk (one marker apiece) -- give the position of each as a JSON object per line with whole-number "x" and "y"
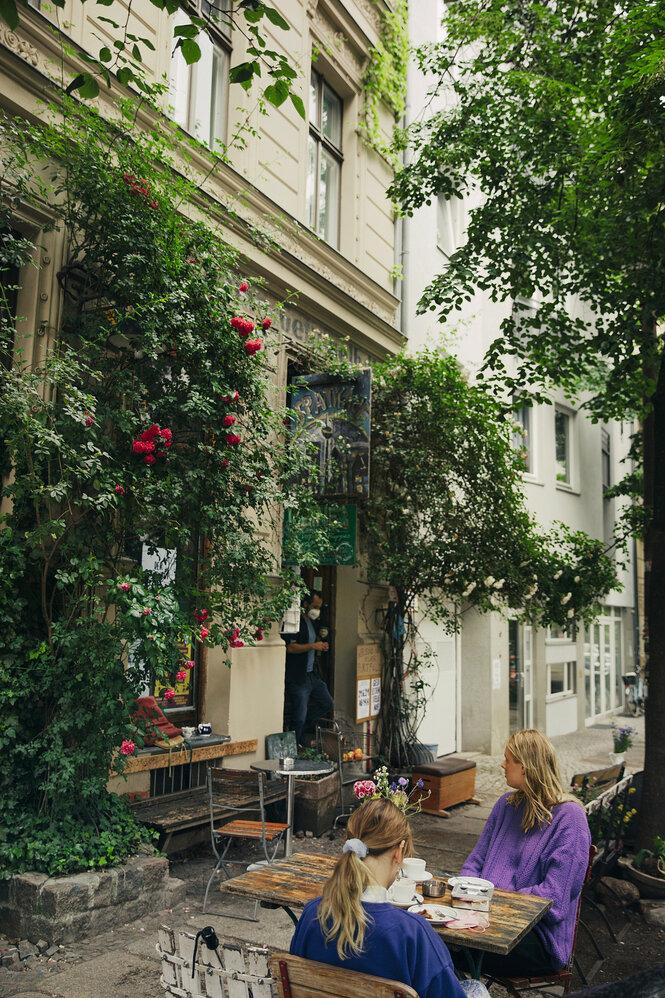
{"x": 124, "y": 963}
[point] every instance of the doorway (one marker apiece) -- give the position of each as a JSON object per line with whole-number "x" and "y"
{"x": 520, "y": 656}
{"x": 323, "y": 579}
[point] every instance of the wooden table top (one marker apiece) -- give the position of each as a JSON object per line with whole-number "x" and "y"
{"x": 291, "y": 883}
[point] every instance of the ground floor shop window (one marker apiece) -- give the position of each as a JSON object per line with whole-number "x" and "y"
{"x": 561, "y": 679}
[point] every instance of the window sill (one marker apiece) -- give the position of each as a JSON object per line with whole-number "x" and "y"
{"x": 564, "y": 487}
{"x": 532, "y": 479}
{"x": 556, "y": 697}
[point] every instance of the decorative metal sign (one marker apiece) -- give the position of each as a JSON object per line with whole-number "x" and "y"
{"x": 340, "y": 527}
{"x": 331, "y": 418}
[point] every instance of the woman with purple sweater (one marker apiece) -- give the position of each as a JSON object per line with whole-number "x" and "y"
{"x": 536, "y": 841}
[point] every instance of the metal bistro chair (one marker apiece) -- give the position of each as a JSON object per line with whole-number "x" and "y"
{"x": 241, "y": 791}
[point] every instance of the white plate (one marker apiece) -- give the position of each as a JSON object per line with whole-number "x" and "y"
{"x": 438, "y": 914}
{"x": 407, "y": 904}
{"x": 477, "y": 883}
{"x": 420, "y": 878}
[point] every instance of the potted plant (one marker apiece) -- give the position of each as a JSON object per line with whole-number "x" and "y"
{"x": 623, "y": 739}
{"x": 647, "y": 870}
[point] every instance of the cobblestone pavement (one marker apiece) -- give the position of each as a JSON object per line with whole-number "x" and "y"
{"x": 123, "y": 963}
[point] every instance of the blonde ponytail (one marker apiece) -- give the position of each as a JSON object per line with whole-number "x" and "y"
{"x": 380, "y": 826}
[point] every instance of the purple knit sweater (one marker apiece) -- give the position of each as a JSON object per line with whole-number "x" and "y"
{"x": 550, "y": 862}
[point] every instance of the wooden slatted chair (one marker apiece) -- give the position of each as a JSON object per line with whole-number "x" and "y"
{"x": 230, "y": 971}
{"x": 517, "y": 986}
{"x": 241, "y": 791}
{"x": 299, "y": 978}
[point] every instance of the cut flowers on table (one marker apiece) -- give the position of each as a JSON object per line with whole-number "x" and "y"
{"x": 395, "y": 791}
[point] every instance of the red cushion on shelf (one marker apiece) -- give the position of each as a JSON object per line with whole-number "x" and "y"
{"x": 147, "y": 709}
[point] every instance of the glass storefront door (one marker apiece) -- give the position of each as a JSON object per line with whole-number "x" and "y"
{"x": 603, "y": 665}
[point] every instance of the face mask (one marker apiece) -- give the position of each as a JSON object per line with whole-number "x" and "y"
{"x": 314, "y": 614}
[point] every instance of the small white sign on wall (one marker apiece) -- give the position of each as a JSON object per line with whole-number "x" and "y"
{"x": 362, "y": 701}
{"x": 496, "y": 674}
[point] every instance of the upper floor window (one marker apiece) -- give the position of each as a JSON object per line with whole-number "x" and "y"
{"x": 522, "y": 438}
{"x": 324, "y": 169}
{"x": 606, "y": 462}
{"x": 200, "y": 90}
{"x": 563, "y": 446}
{"x": 450, "y": 223}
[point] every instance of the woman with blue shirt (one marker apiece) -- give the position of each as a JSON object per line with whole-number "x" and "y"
{"x": 354, "y": 926}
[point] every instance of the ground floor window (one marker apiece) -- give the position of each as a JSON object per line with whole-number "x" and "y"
{"x": 561, "y": 679}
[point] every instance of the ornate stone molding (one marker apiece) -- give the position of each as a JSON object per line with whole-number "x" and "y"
{"x": 337, "y": 45}
{"x": 19, "y": 46}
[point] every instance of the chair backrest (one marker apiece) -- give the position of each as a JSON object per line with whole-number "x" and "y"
{"x": 587, "y": 878}
{"x": 596, "y": 781}
{"x": 231, "y": 970}
{"x": 299, "y": 978}
{"x": 235, "y": 790}
{"x": 281, "y": 744}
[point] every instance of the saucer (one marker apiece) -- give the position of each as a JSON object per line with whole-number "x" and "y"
{"x": 420, "y": 878}
{"x": 407, "y": 904}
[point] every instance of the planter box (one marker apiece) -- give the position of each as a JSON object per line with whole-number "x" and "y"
{"x": 65, "y": 909}
{"x": 648, "y": 886}
{"x": 316, "y": 804}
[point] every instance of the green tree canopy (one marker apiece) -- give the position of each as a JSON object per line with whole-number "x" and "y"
{"x": 551, "y": 125}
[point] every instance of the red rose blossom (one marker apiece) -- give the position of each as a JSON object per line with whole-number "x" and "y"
{"x": 146, "y": 611}
{"x": 243, "y": 286}
{"x": 127, "y": 747}
{"x": 119, "y": 490}
{"x": 266, "y": 324}
{"x": 149, "y": 459}
{"x": 89, "y": 419}
{"x": 201, "y": 615}
{"x": 225, "y": 462}
{"x": 189, "y": 664}
{"x": 139, "y": 446}
{"x": 253, "y": 346}
{"x": 233, "y": 439}
{"x": 169, "y": 694}
{"x": 233, "y": 397}
{"x": 125, "y": 586}
{"x": 204, "y": 632}
{"x": 165, "y": 434}
{"x": 258, "y": 634}
{"x": 181, "y": 676}
{"x": 228, "y": 420}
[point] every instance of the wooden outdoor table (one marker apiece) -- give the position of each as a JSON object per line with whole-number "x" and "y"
{"x": 291, "y": 883}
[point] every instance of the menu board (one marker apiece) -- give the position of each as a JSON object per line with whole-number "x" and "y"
{"x": 368, "y": 682}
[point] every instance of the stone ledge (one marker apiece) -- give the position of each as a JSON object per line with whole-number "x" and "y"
{"x": 66, "y": 909}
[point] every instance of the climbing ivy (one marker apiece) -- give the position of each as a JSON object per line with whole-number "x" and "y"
{"x": 385, "y": 76}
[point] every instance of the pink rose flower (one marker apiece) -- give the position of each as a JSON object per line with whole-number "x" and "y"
{"x": 127, "y": 747}
{"x": 181, "y": 676}
{"x": 89, "y": 419}
{"x": 364, "y": 788}
{"x": 125, "y": 586}
{"x": 119, "y": 490}
{"x": 146, "y": 610}
{"x": 189, "y": 664}
{"x": 169, "y": 694}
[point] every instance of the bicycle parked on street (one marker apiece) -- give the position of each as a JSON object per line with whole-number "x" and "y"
{"x": 635, "y": 693}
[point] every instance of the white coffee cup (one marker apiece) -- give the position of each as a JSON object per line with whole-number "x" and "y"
{"x": 188, "y": 732}
{"x": 413, "y": 867}
{"x": 403, "y": 890}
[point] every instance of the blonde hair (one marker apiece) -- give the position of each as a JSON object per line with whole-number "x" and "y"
{"x": 543, "y": 789}
{"x": 381, "y": 826}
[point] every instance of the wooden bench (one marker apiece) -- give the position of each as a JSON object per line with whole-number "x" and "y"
{"x": 190, "y": 809}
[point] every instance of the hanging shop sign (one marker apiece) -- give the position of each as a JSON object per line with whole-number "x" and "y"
{"x": 331, "y": 419}
{"x": 340, "y": 525}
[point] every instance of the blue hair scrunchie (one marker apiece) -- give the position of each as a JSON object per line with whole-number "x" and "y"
{"x": 357, "y": 846}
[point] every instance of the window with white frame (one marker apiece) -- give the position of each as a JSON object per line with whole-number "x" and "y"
{"x": 561, "y": 679}
{"x": 561, "y": 632}
{"x": 324, "y": 169}
{"x": 200, "y": 90}
{"x": 563, "y": 423}
{"x": 522, "y": 438}
{"x": 450, "y": 224}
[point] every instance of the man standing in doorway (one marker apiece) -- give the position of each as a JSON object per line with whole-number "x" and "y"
{"x": 306, "y": 696}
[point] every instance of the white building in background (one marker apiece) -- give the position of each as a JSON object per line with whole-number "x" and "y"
{"x": 500, "y": 675}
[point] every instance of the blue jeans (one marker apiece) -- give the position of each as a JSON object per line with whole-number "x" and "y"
{"x": 306, "y": 702}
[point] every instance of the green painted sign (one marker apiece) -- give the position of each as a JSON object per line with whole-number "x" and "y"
{"x": 340, "y": 524}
